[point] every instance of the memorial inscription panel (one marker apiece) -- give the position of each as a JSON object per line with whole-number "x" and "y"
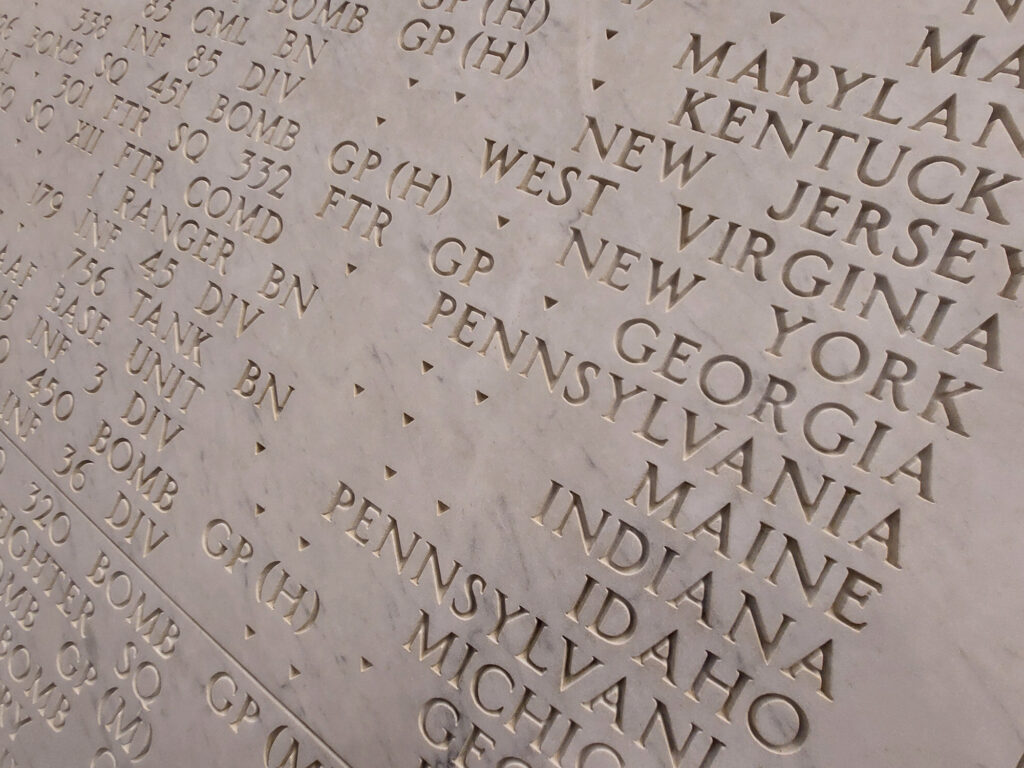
{"x": 512, "y": 383}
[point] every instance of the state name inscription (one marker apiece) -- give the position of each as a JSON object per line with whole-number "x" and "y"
{"x": 508, "y": 383}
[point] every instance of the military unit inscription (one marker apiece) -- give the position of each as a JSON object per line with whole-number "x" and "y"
{"x": 516, "y": 383}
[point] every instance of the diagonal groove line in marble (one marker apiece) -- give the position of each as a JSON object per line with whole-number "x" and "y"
{"x": 203, "y": 631}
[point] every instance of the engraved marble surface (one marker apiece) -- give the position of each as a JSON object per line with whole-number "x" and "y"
{"x": 511, "y": 383}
